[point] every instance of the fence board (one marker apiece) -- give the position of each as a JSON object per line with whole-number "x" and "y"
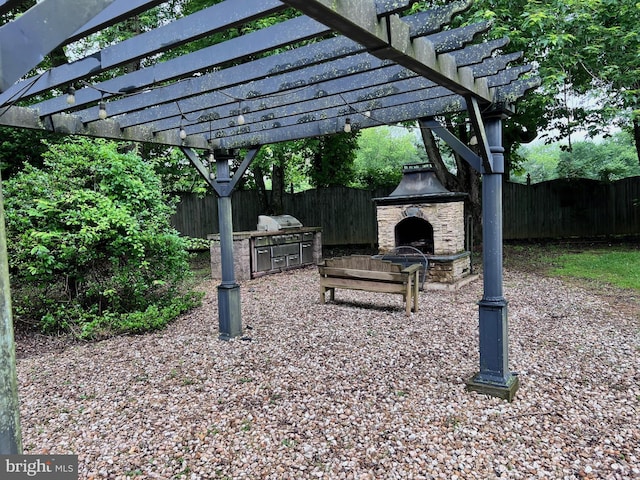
{"x": 554, "y": 209}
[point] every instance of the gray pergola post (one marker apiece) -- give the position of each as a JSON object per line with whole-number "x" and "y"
{"x": 494, "y": 377}
{"x": 10, "y": 434}
{"x": 229, "y": 311}
{"x": 229, "y": 314}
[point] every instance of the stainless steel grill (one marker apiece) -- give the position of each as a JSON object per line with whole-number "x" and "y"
{"x": 272, "y": 223}
{"x": 284, "y": 244}
{"x": 279, "y": 243}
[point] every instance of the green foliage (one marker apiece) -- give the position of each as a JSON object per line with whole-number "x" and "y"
{"x": 152, "y": 318}
{"x": 193, "y": 243}
{"x": 585, "y": 52}
{"x": 176, "y": 173}
{"x": 333, "y": 158}
{"x": 608, "y": 161}
{"x": 292, "y": 157}
{"x": 89, "y": 238}
{"x": 20, "y": 146}
{"x": 381, "y": 153}
{"x": 539, "y": 161}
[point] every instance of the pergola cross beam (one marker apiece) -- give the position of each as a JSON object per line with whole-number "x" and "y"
{"x": 389, "y": 38}
{"x": 15, "y": 36}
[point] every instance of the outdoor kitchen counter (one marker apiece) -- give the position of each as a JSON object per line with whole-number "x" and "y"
{"x": 215, "y": 237}
{"x": 259, "y": 252}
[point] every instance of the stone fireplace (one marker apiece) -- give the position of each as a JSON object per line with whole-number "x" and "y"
{"x": 420, "y": 213}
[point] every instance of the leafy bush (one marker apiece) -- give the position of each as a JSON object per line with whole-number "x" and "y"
{"x": 194, "y": 244}
{"x": 90, "y": 242}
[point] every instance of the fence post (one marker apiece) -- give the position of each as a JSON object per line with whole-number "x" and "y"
{"x": 10, "y": 434}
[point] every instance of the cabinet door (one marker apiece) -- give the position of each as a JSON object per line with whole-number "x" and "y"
{"x": 307, "y": 252}
{"x": 263, "y": 259}
{"x": 293, "y": 259}
{"x": 278, "y": 262}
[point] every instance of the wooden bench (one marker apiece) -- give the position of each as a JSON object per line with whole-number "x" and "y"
{"x": 361, "y": 272}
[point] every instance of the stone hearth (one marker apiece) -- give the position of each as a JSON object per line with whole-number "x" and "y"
{"x": 422, "y": 214}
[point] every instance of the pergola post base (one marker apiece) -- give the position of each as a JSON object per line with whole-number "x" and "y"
{"x": 229, "y": 314}
{"x": 506, "y": 390}
{"x": 494, "y": 377}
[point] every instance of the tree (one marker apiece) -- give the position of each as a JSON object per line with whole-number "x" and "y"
{"x": 607, "y": 161}
{"x": 382, "y": 151}
{"x": 21, "y": 146}
{"x": 583, "y": 51}
{"x": 90, "y": 245}
{"x": 284, "y": 165}
{"x": 539, "y": 162}
{"x": 586, "y": 52}
{"x": 332, "y": 160}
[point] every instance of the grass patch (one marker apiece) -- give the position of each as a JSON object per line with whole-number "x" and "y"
{"x": 200, "y": 265}
{"x": 616, "y": 265}
{"x": 617, "y": 268}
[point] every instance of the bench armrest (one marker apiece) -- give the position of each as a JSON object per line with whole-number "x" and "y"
{"x": 412, "y": 268}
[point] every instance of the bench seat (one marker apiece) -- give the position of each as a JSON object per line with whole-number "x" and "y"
{"x": 361, "y": 272}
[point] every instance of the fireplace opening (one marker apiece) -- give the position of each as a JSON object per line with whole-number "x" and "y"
{"x": 415, "y": 232}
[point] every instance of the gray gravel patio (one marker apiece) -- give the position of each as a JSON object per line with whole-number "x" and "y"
{"x": 351, "y": 390}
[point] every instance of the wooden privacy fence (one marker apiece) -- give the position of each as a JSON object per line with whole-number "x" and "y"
{"x": 347, "y": 215}
{"x": 571, "y": 208}
{"x": 554, "y": 209}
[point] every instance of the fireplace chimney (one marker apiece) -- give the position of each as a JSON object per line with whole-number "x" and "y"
{"x": 419, "y": 183}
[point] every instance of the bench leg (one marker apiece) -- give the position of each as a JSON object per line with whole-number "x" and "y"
{"x": 407, "y": 298}
{"x": 415, "y": 291}
{"x": 323, "y": 291}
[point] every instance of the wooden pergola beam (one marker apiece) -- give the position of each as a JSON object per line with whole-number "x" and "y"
{"x": 389, "y": 38}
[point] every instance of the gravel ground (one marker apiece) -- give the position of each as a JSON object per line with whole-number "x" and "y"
{"x": 346, "y": 390}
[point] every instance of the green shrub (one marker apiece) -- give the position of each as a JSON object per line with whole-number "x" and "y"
{"x": 196, "y": 244}
{"x": 89, "y": 241}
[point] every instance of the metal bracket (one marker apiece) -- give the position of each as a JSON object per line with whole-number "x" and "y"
{"x": 196, "y": 162}
{"x": 460, "y": 148}
{"x": 481, "y": 134}
{"x": 222, "y": 186}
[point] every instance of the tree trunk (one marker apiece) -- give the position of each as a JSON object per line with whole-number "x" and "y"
{"x": 263, "y": 197}
{"x": 447, "y": 179}
{"x": 636, "y": 136}
{"x": 277, "y": 187}
{"x": 469, "y": 182}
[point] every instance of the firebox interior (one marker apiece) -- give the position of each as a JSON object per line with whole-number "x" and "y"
{"x": 415, "y": 232}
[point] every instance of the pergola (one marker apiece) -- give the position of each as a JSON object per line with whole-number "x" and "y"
{"x": 337, "y": 63}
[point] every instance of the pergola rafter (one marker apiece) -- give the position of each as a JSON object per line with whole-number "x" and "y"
{"x": 209, "y": 21}
{"x": 203, "y": 91}
{"x": 370, "y": 61}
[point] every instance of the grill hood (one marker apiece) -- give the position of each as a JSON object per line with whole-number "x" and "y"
{"x": 271, "y": 223}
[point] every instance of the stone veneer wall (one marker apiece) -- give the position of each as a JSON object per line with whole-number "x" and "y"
{"x": 241, "y": 259}
{"x": 447, "y": 220}
{"x": 449, "y": 271}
